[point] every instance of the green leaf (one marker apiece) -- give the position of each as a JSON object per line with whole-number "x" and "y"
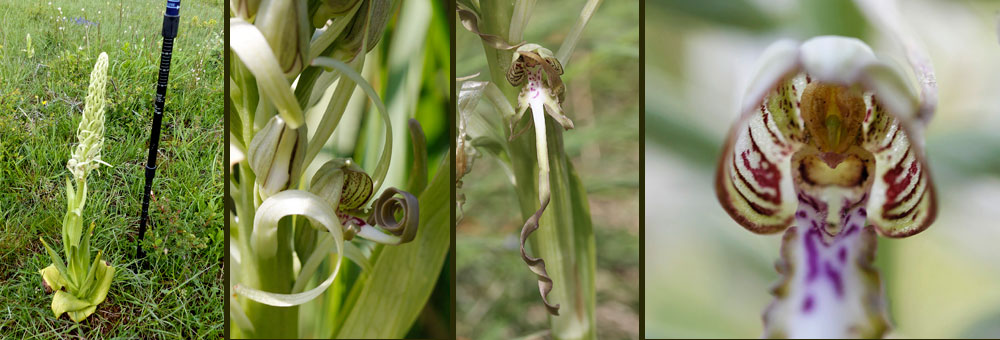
{"x": 79, "y": 308}
{"x": 60, "y": 265}
{"x": 52, "y": 277}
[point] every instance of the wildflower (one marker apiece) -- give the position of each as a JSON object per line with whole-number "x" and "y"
{"x": 829, "y": 146}
{"x": 544, "y": 91}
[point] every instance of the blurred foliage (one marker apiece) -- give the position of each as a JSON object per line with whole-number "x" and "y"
{"x": 708, "y": 277}
{"x": 497, "y": 296}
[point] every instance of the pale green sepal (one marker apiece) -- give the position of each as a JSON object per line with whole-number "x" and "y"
{"x": 378, "y": 176}
{"x": 254, "y": 51}
{"x": 264, "y": 240}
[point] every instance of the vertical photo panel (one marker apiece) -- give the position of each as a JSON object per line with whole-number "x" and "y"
{"x": 111, "y": 163}
{"x": 339, "y": 179}
{"x": 548, "y": 169}
{"x": 821, "y": 169}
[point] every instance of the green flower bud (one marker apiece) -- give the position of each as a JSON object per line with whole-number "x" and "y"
{"x": 90, "y": 132}
{"x": 245, "y": 9}
{"x": 331, "y": 9}
{"x": 348, "y": 45}
{"x": 342, "y": 183}
{"x": 285, "y": 25}
{"x": 276, "y": 154}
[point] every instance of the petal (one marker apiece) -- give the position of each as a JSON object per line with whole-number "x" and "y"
{"x": 778, "y": 61}
{"x": 253, "y": 50}
{"x": 828, "y": 288}
{"x": 753, "y": 180}
{"x": 902, "y": 196}
{"x": 835, "y": 59}
{"x": 886, "y": 16}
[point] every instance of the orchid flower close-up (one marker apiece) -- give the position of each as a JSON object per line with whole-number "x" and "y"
{"x": 828, "y": 148}
{"x": 821, "y": 169}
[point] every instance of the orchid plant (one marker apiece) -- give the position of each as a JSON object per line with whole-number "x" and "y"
{"x": 296, "y": 215}
{"x": 28, "y": 49}
{"x": 527, "y": 76}
{"x": 828, "y": 149}
{"x": 79, "y": 283}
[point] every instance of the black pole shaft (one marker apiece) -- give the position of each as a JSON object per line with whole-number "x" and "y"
{"x": 170, "y": 21}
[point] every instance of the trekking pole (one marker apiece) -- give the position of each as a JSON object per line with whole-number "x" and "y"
{"x": 170, "y": 20}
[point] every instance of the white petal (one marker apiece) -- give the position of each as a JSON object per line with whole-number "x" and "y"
{"x": 834, "y": 59}
{"x": 777, "y": 61}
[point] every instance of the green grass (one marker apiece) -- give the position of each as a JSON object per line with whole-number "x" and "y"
{"x": 41, "y": 99}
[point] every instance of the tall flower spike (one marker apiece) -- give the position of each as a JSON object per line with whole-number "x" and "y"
{"x": 90, "y": 132}
{"x": 827, "y": 143}
{"x": 276, "y": 154}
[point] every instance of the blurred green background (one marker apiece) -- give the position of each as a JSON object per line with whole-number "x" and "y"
{"x": 708, "y": 277}
{"x": 497, "y": 295}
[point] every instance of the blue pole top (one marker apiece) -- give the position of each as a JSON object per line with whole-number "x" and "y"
{"x": 173, "y": 7}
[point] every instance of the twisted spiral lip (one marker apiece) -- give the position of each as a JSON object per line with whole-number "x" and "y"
{"x": 384, "y": 211}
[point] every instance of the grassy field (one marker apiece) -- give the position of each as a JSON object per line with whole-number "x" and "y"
{"x": 42, "y": 91}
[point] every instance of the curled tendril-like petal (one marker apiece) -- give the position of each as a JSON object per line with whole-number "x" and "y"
{"x": 471, "y": 23}
{"x": 537, "y": 265}
{"x": 384, "y": 211}
{"x": 264, "y": 240}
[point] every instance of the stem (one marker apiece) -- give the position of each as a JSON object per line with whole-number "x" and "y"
{"x": 275, "y": 274}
